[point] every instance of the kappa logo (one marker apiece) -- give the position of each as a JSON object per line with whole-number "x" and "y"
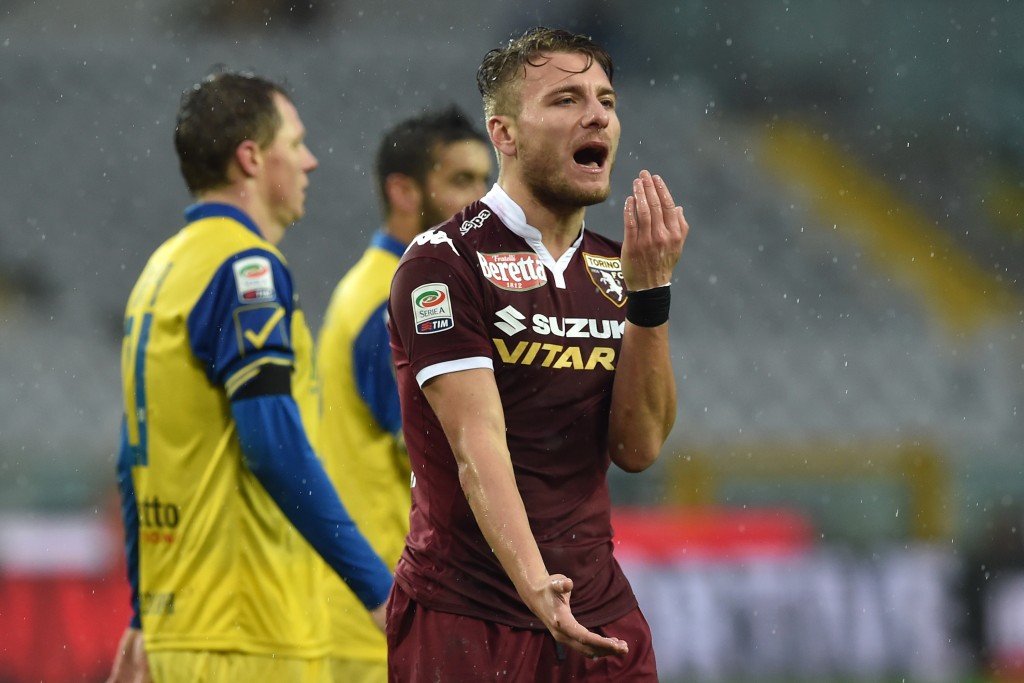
{"x": 606, "y": 274}
{"x": 513, "y": 271}
{"x": 435, "y": 237}
{"x": 474, "y": 222}
{"x": 254, "y": 279}
{"x": 432, "y": 308}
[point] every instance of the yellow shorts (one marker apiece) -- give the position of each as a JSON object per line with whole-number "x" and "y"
{"x": 358, "y": 671}
{"x": 200, "y": 666}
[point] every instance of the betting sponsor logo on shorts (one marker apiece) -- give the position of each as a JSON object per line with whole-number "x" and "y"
{"x": 513, "y": 271}
{"x": 474, "y": 222}
{"x": 432, "y": 308}
{"x": 254, "y": 279}
{"x": 435, "y": 237}
{"x": 606, "y": 274}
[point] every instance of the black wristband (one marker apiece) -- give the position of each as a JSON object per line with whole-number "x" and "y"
{"x": 648, "y": 307}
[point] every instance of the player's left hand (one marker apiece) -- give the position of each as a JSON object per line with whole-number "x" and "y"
{"x": 379, "y": 615}
{"x": 655, "y": 230}
{"x": 130, "y": 663}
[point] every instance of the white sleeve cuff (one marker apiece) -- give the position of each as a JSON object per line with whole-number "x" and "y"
{"x": 431, "y": 371}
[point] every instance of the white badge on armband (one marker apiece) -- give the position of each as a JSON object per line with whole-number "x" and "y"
{"x": 254, "y": 279}
{"x": 432, "y": 308}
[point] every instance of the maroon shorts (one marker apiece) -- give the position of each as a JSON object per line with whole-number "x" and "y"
{"x": 428, "y": 645}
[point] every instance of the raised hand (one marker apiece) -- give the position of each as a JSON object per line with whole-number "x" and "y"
{"x": 654, "y": 232}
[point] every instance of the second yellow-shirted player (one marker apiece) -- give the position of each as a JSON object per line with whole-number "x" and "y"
{"x": 427, "y": 168}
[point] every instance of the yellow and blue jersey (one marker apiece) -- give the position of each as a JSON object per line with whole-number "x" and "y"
{"x": 214, "y": 562}
{"x": 361, "y": 432}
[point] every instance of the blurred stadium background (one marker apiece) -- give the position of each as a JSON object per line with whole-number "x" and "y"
{"x": 841, "y": 498}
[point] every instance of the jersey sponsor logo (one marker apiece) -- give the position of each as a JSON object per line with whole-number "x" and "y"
{"x": 555, "y": 356}
{"x": 580, "y": 328}
{"x": 474, "y": 222}
{"x": 509, "y": 319}
{"x": 432, "y": 308}
{"x": 606, "y": 274}
{"x": 254, "y": 279}
{"x": 513, "y": 271}
{"x": 158, "y": 521}
{"x": 583, "y": 328}
{"x": 156, "y": 603}
{"x": 435, "y": 237}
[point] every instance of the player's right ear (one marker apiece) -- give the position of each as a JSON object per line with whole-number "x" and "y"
{"x": 249, "y": 157}
{"x": 403, "y": 193}
{"x": 502, "y": 132}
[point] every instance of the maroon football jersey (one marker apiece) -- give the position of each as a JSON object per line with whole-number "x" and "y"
{"x": 482, "y": 291}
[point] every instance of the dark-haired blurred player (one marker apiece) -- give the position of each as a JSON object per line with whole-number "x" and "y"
{"x": 531, "y": 354}
{"x": 427, "y": 167}
{"x": 223, "y": 496}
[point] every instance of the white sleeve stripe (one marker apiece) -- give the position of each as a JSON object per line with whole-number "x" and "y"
{"x": 432, "y": 371}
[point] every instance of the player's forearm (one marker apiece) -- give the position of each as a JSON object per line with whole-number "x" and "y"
{"x": 643, "y": 406}
{"x": 489, "y": 484}
{"x": 279, "y": 455}
{"x": 469, "y": 408}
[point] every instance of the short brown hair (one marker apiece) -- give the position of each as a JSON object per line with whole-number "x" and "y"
{"x": 502, "y": 65}
{"x": 216, "y": 115}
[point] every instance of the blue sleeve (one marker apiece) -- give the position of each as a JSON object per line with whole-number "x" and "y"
{"x": 244, "y": 314}
{"x": 278, "y": 453}
{"x": 130, "y": 519}
{"x": 374, "y": 371}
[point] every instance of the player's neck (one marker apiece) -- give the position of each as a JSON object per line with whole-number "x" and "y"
{"x": 559, "y": 226}
{"x": 402, "y": 227}
{"x": 269, "y": 228}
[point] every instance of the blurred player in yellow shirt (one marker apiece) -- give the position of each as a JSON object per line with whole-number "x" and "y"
{"x": 427, "y": 168}
{"x": 224, "y": 499}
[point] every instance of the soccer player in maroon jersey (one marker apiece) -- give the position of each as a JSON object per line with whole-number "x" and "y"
{"x": 531, "y": 354}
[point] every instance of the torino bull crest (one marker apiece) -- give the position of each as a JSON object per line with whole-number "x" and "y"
{"x": 606, "y": 274}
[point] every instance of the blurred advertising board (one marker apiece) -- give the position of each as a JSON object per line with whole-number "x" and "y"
{"x": 730, "y": 595}
{"x": 751, "y": 595}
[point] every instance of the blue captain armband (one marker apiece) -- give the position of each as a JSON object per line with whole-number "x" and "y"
{"x": 278, "y": 453}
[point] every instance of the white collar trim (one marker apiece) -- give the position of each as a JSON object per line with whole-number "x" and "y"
{"x": 512, "y": 215}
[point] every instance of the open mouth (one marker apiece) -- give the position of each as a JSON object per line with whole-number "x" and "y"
{"x": 591, "y": 155}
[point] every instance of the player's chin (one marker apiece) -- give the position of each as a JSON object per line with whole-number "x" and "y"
{"x": 588, "y": 196}
{"x": 594, "y": 188}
